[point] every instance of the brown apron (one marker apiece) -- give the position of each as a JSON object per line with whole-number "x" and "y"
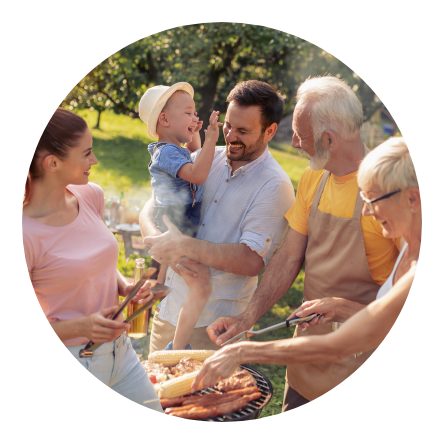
{"x": 335, "y": 266}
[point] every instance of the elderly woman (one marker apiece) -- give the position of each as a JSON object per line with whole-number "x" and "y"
{"x": 72, "y": 257}
{"x": 390, "y": 191}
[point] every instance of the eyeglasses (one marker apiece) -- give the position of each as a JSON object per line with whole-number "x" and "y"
{"x": 371, "y": 202}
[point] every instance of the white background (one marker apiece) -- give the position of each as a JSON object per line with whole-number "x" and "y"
{"x": 12, "y": 248}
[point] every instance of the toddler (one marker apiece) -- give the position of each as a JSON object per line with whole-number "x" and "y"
{"x": 170, "y": 116}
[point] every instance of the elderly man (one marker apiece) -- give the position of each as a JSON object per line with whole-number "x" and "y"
{"x": 242, "y": 221}
{"x": 345, "y": 254}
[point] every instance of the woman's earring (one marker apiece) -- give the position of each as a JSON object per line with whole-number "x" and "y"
{"x": 411, "y": 209}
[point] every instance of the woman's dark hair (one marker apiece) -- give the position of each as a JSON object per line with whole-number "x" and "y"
{"x": 261, "y": 94}
{"x": 62, "y": 133}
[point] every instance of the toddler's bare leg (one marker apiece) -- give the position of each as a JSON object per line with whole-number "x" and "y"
{"x": 162, "y": 274}
{"x": 200, "y": 291}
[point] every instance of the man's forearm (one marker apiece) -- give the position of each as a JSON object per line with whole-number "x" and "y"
{"x": 232, "y": 258}
{"x": 279, "y": 275}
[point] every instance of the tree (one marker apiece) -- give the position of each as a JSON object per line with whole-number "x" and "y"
{"x": 212, "y": 57}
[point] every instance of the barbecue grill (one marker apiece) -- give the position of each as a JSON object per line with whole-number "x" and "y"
{"x": 254, "y": 408}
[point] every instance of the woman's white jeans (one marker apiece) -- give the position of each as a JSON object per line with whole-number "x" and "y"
{"x": 117, "y": 365}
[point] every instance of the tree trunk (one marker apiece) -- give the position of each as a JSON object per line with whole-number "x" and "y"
{"x": 98, "y": 120}
{"x": 208, "y": 93}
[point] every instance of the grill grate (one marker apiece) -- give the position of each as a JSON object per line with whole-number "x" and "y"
{"x": 253, "y": 409}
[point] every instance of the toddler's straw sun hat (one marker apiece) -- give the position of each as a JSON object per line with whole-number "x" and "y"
{"x": 153, "y": 101}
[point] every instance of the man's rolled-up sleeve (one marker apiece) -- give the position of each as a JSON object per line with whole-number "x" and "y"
{"x": 264, "y": 224}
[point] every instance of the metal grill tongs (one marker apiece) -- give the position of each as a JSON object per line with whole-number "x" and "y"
{"x": 159, "y": 292}
{"x": 288, "y": 323}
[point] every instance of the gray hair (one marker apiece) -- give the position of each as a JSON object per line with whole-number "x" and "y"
{"x": 335, "y": 106}
{"x": 389, "y": 166}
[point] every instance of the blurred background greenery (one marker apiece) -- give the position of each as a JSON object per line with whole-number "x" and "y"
{"x": 212, "y": 57}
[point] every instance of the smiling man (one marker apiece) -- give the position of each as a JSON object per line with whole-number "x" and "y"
{"x": 244, "y": 202}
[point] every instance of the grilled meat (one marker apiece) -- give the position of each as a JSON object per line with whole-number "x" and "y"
{"x": 238, "y": 380}
{"x": 186, "y": 365}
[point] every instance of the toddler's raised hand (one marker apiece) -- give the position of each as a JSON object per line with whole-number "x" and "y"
{"x": 212, "y": 132}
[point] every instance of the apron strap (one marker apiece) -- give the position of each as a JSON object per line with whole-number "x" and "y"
{"x": 319, "y": 191}
{"x": 359, "y": 202}
{"x": 358, "y": 207}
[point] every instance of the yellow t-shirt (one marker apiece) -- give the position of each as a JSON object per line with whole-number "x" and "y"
{"x": 339, "y": 198}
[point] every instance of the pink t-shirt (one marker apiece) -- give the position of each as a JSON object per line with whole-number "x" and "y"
{"x": 73, "y": 268}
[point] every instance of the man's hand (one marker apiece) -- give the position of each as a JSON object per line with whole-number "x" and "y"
{"x": 219, "y": 366}
{"x": 327, "y": 308}
{"x": 166, "y": 248}
{"x": 225, "y": 328}
{"x": 184, "y": 267}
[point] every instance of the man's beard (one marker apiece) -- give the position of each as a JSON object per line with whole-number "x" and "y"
{"x": 247, "y": 154}
{"x": 317, "y": 162}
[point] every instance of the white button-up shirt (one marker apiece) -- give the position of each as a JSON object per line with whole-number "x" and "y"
{"x": 247, "y": 207}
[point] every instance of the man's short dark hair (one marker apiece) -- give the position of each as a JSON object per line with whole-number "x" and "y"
{"x": 261, "y": 94}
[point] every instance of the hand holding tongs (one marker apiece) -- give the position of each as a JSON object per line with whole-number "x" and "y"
{"x": 159, "y": 292}
{"x": 288, "y": 323}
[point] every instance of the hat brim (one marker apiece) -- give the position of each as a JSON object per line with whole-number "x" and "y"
{"x": 160, "y": 103}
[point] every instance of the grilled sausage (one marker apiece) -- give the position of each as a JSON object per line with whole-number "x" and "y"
{"x": 219, "y": 409}
{"x": 188, "y": 400}
{"x": 204, "y": 403}
{"x": 170, "y": 402}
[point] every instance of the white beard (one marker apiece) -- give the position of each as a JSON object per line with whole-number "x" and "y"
{"x": 316, "y": 163}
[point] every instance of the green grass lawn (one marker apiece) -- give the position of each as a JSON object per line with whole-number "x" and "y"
{"x": 121, "y": 150}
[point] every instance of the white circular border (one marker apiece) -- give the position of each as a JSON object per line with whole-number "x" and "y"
{"x": 335, "y": 44}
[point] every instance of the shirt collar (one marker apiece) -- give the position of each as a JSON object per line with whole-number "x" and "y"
{"x": 245, "y": 168}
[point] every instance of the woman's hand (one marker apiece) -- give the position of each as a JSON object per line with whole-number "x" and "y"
{"x": 143, "y": 295}
{"x": 99, "y": 329}
{"x": 219, "y": 366}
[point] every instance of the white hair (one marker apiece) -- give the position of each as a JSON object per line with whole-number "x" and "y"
{"x": 389, "y": 166}
{"x": 334, "y": 106}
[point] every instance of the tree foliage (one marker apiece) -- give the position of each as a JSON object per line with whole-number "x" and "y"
{"x": 212, "y": 57}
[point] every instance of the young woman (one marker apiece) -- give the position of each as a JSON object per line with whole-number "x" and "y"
{"x": 72, "y": 257}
